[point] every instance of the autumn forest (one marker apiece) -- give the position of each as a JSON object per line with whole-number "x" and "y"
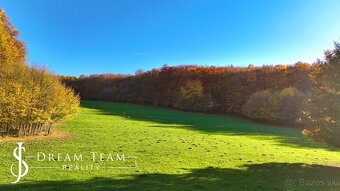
{"x": 102, "y": 95}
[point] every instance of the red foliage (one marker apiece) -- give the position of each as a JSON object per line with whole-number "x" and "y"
{"x": 227, "y": 87}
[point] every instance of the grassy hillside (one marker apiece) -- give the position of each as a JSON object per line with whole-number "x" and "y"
{"x": 176, "y": 151}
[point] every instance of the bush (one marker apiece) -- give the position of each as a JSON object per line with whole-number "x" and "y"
{"x": 291, "y": 102}
{"x": 262, "y": 105}
{"x": 279, "y": 106}
{"x": 191, "y": 97}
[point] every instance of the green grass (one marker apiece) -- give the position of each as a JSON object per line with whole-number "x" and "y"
{"x": 176, "y": 151}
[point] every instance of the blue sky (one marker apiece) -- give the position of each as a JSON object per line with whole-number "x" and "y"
{"x": 74, "y": 37}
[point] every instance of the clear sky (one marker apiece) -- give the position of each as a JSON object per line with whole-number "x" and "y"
{"x": 74, "y": 37}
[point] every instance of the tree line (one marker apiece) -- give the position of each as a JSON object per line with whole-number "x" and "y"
{"x": 266, "y": 93}
{"x": 32, "y": 99}
{"x": 194, "y": 88}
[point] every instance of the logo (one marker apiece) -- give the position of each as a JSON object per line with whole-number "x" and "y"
{"x": 83, "y": 161}
{"x": 22, "y": 165}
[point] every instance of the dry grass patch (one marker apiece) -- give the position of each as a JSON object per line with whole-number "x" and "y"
{"x": 56, "y": 134}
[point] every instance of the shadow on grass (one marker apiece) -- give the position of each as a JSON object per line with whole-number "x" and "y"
{"x": 203, "y": 122}
{"x": 268, "y": 176}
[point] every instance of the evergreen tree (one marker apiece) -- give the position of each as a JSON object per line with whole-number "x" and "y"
{"x": 323, "y": 109}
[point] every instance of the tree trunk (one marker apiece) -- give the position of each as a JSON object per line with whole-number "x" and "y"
{"x": 7, "y": 130}
{"x": 49, "y": 131}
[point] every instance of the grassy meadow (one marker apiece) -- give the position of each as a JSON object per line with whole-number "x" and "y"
{"x": 175, "y": 150}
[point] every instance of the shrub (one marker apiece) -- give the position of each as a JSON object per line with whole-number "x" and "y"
{"x": 291, "y": 102}
{"x": 279, "y": 106}
{"x": 191, "y": 97}
{"x": 262, "y": 105}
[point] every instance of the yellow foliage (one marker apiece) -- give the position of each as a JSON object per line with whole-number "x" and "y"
{"x": 29, "y": 96}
